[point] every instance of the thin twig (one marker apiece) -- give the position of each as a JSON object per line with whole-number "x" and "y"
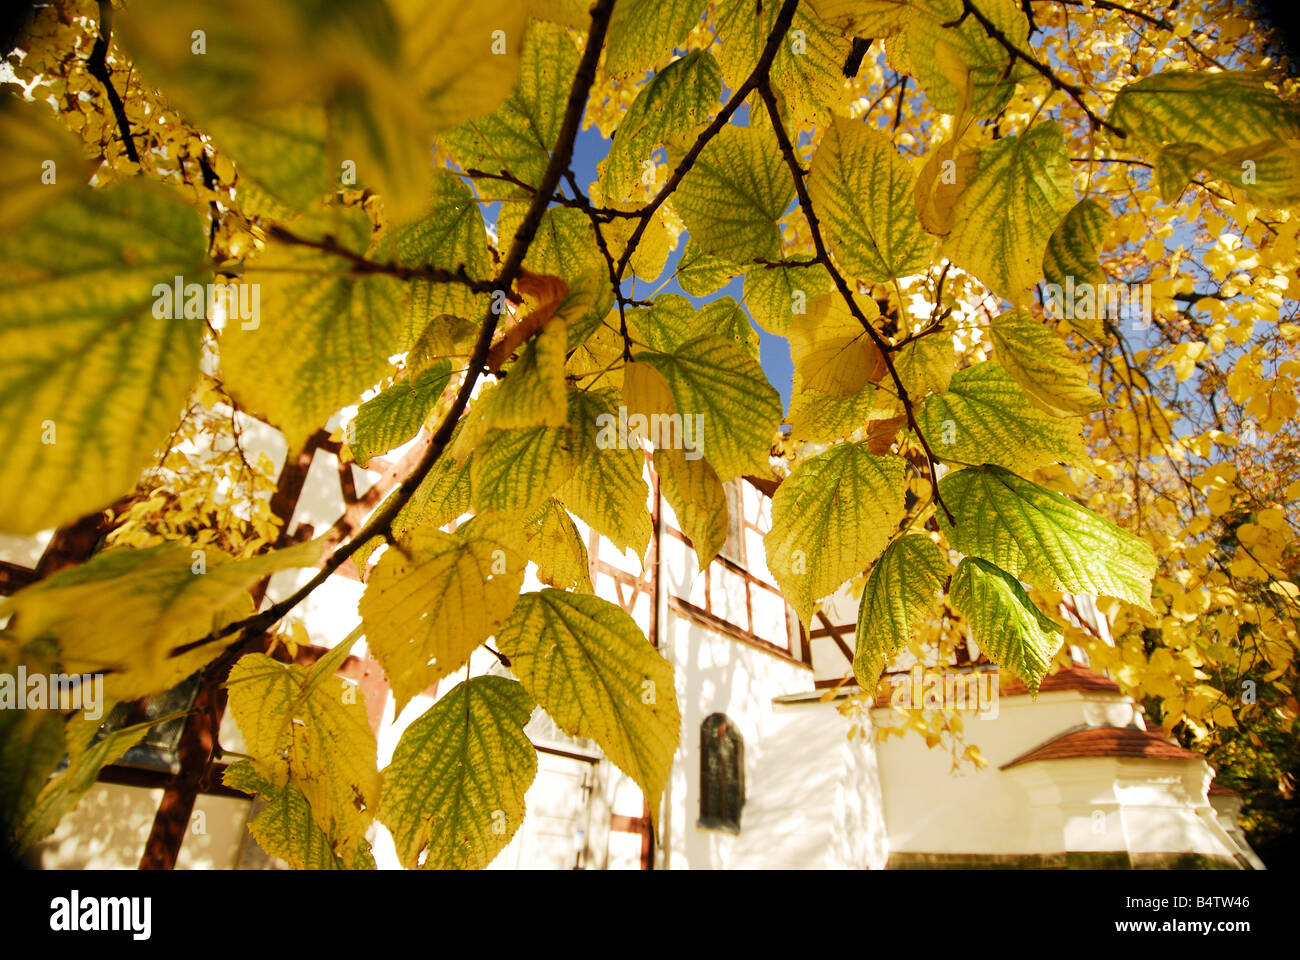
{"x": 814, "y": 228}
{"x": 381, "y": 521}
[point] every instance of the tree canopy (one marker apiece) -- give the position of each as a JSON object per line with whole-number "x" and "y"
{"x": 1034, "y": 264}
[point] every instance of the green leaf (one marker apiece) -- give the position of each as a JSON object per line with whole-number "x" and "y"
{"x": 1217, "y": 111}
{"x": 677, "y": 100}
{"x": 126, "y": 610}
{"x": 1004, "y": 621}
{"x": 517, "y": 138}
{"x": 808, "y": 67}
{"x": 588, "y": 665}
{"x": 1043, "y": 363}
{"x": 831, "y": 517}
{"x": 734, "y": 195}
{"x": 554, "y": 544}
{"x": 281, "y": 158}
{"x": 1043, "y": 537}
{"x": 1072, "y": 252}
{"x": 700, "y": 274}
{"x": 904, "y": 588}
{"x": 1007, "y": 213}
{"x": 324, "y": 334}
{"x": 714, "y": 379}
{"x": 95, "y": 375}
{"x": 389, "y": 419}
{"x": 285, "y": 828}
{"x": 450, "y": 235}
{"x": 454, "y": 792}
{"x": 643, "y": 32}
{"x": 985, "y": 417}
{"x": 926, "y": 365}
{"x": 698, "y": 499}
{"x": 515, "y": 471}
{"x": 863, "y": 191}
{"x": 434, "y": 597}
{"x": 606, "y": 490}
{"x": 309, "y": 729}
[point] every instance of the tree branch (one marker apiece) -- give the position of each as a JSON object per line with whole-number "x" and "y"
{"x": 380, "y": 523}
{"x": 97, "y": 67}
{"x": 362, "y": 265}
{"x": 819, "y": 244}
{"x": 1075, "y": 94}
{"x": 783, "y": 20}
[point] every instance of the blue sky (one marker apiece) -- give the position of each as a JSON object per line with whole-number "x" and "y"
{"x": 774, "y": 352}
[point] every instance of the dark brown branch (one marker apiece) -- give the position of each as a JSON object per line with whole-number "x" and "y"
{"x": 779, "y": 28}
{"x": 578, "y": 202}
{"x": 362, "y": 265}
{"x": 819, "y": 244}
{"x": 97, "y": 67}
{"x": 1075, "y": 94}
{"x": 381, "y": 521}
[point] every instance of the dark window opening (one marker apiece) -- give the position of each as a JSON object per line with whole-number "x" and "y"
{"x": 722, "y": 774}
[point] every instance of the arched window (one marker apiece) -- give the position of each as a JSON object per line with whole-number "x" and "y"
{"x": 722, "y": 774}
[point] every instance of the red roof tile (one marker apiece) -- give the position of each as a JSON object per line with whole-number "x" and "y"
{"x": 1077, "y": 677}
{"x": 1105, "y": 742}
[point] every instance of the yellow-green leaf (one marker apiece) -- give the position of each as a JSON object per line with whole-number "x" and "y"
{"x": 643, "y": 32}
{"x": 389, "y": 419}
{"x": 985, "y": 417}
{"x": 309, "y": 729}
{"x": 1043, "y": 537}
{"x": 434, "y": 597}
{"x": 903, "y": 589}
{"x": 734, "y": 195}
{"x": 324, "y": 334}
{"x": 1004, "y": 621}
{"x": 97, "y": 366}
{"x": 606, "y": 489}
{"x": 285, "y": 828}
{"x": 554, "y": 544}
{"x": 831, "y": 517}
{"x": 1006, "y": 215}
{"x": 126, "y": 610}
{"x": 1042, "y": 362}
{"x": 733, "y": 411}
{"x": 588, "y": 665}
{"x": 698, "y": 499}
{"x": 454, "y": 792}
{"x": 1217, "y": 111}
{"x": 863, "y": 191}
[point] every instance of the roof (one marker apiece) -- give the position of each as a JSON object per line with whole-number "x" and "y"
{"x": 1105, "y": 742}
{"x": 1219, "y": 790}
{"x": 1076, "y": 677}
